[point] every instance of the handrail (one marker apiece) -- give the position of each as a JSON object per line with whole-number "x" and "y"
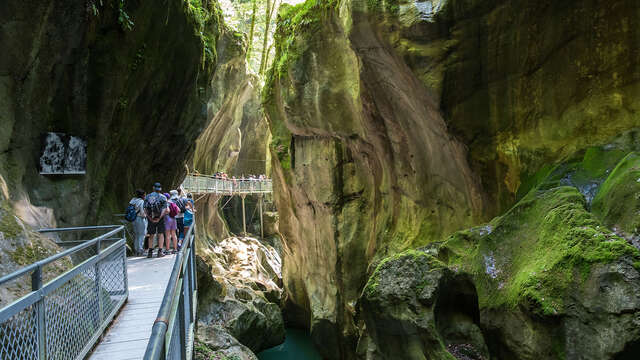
{"x": 172, "y": 333}
{"x": 67, "y": 315}
{"x": 41, "y": 263}
{"x": 200, "y": 184}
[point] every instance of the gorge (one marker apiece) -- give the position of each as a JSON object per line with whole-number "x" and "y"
{"x": 452, "y": 179}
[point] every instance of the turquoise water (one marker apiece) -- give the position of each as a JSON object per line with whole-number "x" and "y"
{"x": 297, "y": 346}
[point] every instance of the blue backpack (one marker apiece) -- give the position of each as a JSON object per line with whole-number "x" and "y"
{"x": 131, "y": 213}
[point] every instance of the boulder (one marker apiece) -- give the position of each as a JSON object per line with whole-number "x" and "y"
{"x": 240, "y": 293}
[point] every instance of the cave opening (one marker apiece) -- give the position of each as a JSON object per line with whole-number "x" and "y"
{"x": 457, "y": 317}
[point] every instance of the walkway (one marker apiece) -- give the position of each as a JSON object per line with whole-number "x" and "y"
{"x": 202, "y": 184}
{"x": 130, "y": 331}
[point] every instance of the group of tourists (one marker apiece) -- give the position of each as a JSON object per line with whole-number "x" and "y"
{"x": 165, "y": 216}
{"x": 224, "y": 176}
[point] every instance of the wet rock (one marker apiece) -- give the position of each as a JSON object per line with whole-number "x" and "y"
{"x": 396, "y": 123}
{"x": 215, "y": 343}
{"x": 414, "y": 307}
{"x": 241, "y": 294}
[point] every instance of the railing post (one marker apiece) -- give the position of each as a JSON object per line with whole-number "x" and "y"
{"x": 194, "y": 277}
{"x": 244, "y": 218}
{"x": 124, "y": 264}
{"x": 98, "y": 285}
{"x": 36, "y": 284}
{"x": 261, "y": 221}
{"x": 182, "y": 317}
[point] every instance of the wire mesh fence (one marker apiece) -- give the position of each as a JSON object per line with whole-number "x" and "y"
{"x": 206, "y": 185}
{"x": 63, "y": 318}
{"x": 173, "y": 332}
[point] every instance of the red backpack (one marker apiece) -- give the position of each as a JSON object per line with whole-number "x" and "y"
{"x": 173, "y": 209}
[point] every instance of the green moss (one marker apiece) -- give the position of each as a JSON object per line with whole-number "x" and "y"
{"x": 529, "y": 181}
{"x": 9, "y": 226}
{"x": 536, "y": 251}
{"x": 617, "y": 203}
{"x": 202, "y": 352}
{"x": 417, "y": 255}
{"x": 26, "y": 255}
{"x": 208, "y": 19}
{"x": 296, "y": 26}
{"x": 389, "y": 6}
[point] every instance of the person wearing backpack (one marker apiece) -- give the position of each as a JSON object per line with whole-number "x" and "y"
{"x": 155, "y": 206}
{"x": 177, "y": 199}
{"x": 136, "y": 215}
{"x": 171, "y": 225}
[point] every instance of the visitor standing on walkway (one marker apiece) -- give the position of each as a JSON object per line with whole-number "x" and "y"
{"x": 171, "y": 225}
{"x": 155, "y": 205}
{"x": 140, "y": 223}
{"x": 188, "y": 215}
{"x": 178, "y": 199}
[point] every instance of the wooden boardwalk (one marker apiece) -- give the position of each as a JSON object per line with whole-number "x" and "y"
{"x": 129, "y": 333}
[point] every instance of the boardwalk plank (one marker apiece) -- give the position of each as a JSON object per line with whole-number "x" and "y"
{"x": 129, "y": 333}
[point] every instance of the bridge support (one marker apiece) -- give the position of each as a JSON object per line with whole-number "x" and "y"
{"x": 260, "y": 197}
{"x": 244, "y": 216}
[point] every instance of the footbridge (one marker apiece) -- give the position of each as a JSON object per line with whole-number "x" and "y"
{"x": 204, "y": 185}
{"x": 91, "y": 301}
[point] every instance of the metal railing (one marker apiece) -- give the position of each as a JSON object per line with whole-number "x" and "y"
{"x": 200, "y": 184}
{"x": 172, "y": 334}
{"x": 65, "y": 317}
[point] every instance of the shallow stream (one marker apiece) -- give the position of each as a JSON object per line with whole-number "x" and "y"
{"x": 297, "y": 346}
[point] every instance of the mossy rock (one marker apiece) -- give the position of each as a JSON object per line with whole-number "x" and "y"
{"x": 533, "y": 253}
{"x": 9, "y": 225}
{"x": 617, "y": 203}
{"x": 415, "y": 307}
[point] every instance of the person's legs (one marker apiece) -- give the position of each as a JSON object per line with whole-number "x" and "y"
{"x": 139, "y": 229}
{"x": 180, "y": 225}
{"x": 175, "y": 240}
{"x": 152, "y": 228}
{"x": 167, "y": 235}
{"x": 160, "y": 244}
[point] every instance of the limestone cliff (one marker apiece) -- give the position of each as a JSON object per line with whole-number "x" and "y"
{"x": 235, "y": 141}
{"x": 131, "y": 78}
{"x": 396, "y": 123}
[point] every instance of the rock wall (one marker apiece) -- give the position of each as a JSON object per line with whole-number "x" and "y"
{"x": 396, "y": 123}
{"x": 235, "y": 141}
{"x": 131, "y": 78}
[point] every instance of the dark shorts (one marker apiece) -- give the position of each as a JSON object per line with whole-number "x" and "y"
{"x": 180, "y": 222}
{"x": 155, "y": 227}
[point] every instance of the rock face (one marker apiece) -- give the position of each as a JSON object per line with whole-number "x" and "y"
{"x": 397, "y": 123}
{"x": 77, "y": 69}
{"x": 545, "y": 280}
{"x": 240, "y": 295}
{"x": 416, "y": 308}
{"x": 130, "y": 78}
{"x": 236, "y": 139}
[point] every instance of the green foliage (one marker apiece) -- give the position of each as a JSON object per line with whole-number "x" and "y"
{"x": 297, "y": 25}
{"x": 94, "y": 8}
{"x": 123, "y": 18}
{"x": 138, "y": 59}
{"x": 208, "y": 19}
